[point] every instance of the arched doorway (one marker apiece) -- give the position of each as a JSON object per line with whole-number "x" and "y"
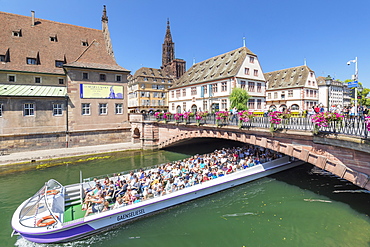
{"x": 194, "y": 109}
{"x": 178, "y": 109}
{"x": 295, "y": 107}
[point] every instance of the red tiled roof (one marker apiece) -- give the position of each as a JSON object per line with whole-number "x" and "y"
{"x": 35, "y": 43}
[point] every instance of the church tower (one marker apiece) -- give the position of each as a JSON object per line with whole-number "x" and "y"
{"x": 168, "y": 47}
{"x": 108, "y": 42}
{"x": 172, "y": 65}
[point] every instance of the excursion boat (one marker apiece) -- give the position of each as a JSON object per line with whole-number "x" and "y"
{"x": 54, "y": 214}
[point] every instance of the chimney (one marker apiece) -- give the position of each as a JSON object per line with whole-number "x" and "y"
{"x": 32, "y": 18}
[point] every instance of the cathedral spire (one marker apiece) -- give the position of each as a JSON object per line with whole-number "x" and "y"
{"x": 168, "y": 52}
{"x": 108, "y": 42}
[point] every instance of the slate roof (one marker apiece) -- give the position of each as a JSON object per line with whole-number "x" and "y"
{"x": 219, "y": 67}
{"x": 35, "y": 42}
{"x": 287, "y": 78}
{"x": 31, "y": 90}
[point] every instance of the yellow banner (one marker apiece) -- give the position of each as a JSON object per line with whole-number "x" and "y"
{"x": 89, "y": 91}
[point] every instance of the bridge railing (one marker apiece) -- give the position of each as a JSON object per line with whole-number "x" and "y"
{"x": 354, "y": 126}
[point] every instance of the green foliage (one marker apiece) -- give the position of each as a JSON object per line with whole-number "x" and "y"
{"x": 239, "y": 99}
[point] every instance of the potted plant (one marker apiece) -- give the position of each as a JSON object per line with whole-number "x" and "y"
{"x": 221, "y": 117}
{"x": 245, "y": 116}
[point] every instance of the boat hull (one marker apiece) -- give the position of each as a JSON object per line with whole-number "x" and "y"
{"x": 106, "y": 220}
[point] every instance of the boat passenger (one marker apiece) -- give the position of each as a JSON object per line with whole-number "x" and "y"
{"x": 97, "y": 205}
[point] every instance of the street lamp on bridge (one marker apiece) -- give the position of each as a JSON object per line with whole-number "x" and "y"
{"x": 328, "y": 82}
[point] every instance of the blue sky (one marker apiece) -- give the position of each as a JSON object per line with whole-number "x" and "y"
{"x": 327, "y": 33}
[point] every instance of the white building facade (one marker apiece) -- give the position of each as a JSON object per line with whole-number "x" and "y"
{"x": 207, "y": 85}
{"x": 294, "y": 88}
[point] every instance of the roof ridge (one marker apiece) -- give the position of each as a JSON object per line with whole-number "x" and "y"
{"x": 57, "y": 22}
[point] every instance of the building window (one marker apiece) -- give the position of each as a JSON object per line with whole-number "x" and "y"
{"x": 118, "y": 78}
{"x": 119, "y": 108}
{"x": 29, "y": 109}
{"x": 2, "y": 58}
{"x": 58, "y": 63}
{"x": 255, "y": 73}
{"x": 205, "y": 89}
{"x": 102, "y": 77}
{"x": 269, "y": 95}
{"x": 259, "y": 104}
{"x": 290, "y": 93}
{"x": 37, "y": 79}
{"x": 61, "y": 81}
{"x": 145, "y": 79}
{"x": 214, "y": 88}
{"x": 251, "y": 59}
{"x": 223, "y": 86}
{"x": 251, "y": 103}
{"x": 251, "y": 86}
{"x": 275, "y": 95}
{"x": 184, "y": 106}
{"x": 205, "y": 105}
{"x": 1, "y": 110}
{"x": 173, "y": 106}
{"x": 31, "y": 60}
{"x": 172, "y": 94}
{"x": 224, "y": 104}
{"x": 283, "y": 95}
{"x": 246, "y": 71}
{"x": 11, "y": 78}
{"x": 85, "y": 108}
{"x": 142, "y": 86}
{"x": 259, "y": 87}
{"x": 242, "y": 84}
{"x": 57, "y": 109}
{"x": 193, "y": 90}
{"x": 183, "y": 92}
{"x": 84, "y": 43}
{"x": 313, "y": 83}
{"x": 85, "y": 76}
{"x": 178, "y": 93}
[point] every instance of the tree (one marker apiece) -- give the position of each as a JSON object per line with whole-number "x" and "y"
{"x": 239, "y": 99}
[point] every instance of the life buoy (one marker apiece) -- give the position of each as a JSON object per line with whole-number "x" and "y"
{"x": 46, "y": 221}
{"x": 52, "y": 192}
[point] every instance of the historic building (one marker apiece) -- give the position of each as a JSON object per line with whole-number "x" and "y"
{"x": 333, "y": 93}
{"x": 207, "y": 85}
{"x": 60, "y": 85}
{"x": 294, "y": 88}
{"x": 148, "y": 87}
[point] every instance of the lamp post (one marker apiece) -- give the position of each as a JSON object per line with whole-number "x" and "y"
{"x": 355, "y": 79}
{"x": 328, "y": 81}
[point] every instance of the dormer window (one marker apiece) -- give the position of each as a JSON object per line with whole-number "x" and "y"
{"x": 31, "y": 60}
{"x": 53, "y": 38}
{"x": 2, "y": 58}
{"x": 84, "y": 43}
{"x": 59, "y": 63}
{"x": 17, "y": 33}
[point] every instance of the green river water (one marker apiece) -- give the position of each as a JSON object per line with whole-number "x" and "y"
{"x": 299, "y": 207}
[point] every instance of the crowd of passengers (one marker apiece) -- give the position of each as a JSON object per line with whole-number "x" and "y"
{"x": 170, "y": 177}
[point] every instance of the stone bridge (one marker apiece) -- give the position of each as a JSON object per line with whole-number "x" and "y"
{"x": 347, "y": 157}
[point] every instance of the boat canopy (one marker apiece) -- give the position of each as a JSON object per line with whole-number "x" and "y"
{"x": 47, "y": 202}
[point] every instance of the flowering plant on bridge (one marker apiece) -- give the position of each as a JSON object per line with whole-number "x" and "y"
{"x": 367, "y": 122}
{"x": 275, "y": 119}
{"x": 158, "y": 115}
{"x": 186, "y": 116}
{"x": 245, "y": 116}
{"x": 177, "y": 117}
{"x": 167, "y": 116}
{"x": 221, "y": 116}
{"x": 200, "y": 115}
{"x": 323, "y": 119}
